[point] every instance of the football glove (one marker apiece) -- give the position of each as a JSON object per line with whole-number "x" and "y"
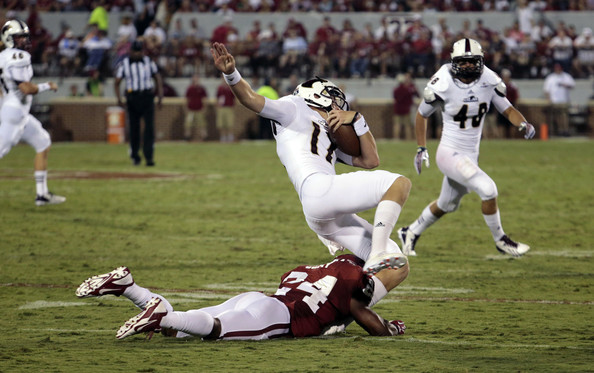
{"x": 422, "y": 155}
{"x": 529, "y": 128}
{"x": 399, "y": 325}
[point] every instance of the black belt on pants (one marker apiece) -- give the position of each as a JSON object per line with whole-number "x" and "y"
{"x": 140, "y": 93}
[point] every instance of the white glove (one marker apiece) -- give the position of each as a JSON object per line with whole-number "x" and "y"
{"x": 529, "y": 128}
{"x": 422, "y": 155}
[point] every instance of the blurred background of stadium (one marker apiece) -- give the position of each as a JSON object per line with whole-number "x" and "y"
{"x": 387, "y": 38}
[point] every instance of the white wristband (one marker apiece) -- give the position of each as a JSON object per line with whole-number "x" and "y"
{"x": 360, "y": 126}
{"x": 232, "y": 78}
{"x": 42, "y": 87}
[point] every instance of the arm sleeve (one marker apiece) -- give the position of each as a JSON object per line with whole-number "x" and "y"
{"x": 500, "y": 103}
{"x": 282, "y": 110}
{"x": 426, "y": 109}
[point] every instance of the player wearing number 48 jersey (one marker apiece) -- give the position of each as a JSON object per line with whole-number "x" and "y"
{"x": 16, "y": 123}
{"x": 302, "y": 126}
{"x": 308, "y": 301}
{"x": 463, "y": 90}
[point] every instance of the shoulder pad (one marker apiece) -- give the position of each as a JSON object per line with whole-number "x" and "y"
{"x": 440, "y": 81}
{"x": 501, "y": 89}
{"x": 429, "y": 96}
{"x": 490, "y": 77}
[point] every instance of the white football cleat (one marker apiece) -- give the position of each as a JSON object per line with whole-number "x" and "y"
{"x": 507, "y": 246}
{"x": 384, "y": 261}
{"x": 148, "y": 320}
{"x": 409, "y": 240}
{"x": 49, "y": 199}
{"x": 114, "y": 282}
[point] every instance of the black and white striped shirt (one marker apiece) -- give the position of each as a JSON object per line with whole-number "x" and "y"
{"x": 138, "y": 74}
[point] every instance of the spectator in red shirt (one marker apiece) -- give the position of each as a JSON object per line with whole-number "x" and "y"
{"x": 225, "y": 113}
{"x": 220, "y": 33}
{"x": 195, "y": 95}
{"x": 404, "y": 95}
{"x": 325, "y": 31}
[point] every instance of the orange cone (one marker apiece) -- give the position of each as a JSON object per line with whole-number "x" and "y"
{"x": 544, "y": 132}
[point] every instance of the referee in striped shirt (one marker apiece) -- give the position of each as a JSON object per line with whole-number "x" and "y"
{"x": 142, "y": 77}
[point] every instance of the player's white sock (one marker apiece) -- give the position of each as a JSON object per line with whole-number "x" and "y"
{"x": 194, "y": 322}
{"x": 386, "y": 215}
{"x": 494, "y": 223}
{"x": 141, "y": 296}
{"x": 423, "y": 222}
{"x": 41, "y": 182}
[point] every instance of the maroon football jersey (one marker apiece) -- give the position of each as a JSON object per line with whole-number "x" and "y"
{"x": 317, "y": 296}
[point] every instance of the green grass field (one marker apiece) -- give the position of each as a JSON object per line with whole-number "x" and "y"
{"x": 213, "y": 220}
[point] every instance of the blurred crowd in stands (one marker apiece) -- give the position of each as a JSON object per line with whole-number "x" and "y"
{"x": 529, "y": 48}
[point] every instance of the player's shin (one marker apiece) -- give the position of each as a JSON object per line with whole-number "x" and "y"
{"x": 386, "y": 216}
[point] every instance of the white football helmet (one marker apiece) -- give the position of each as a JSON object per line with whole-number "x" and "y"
{"x": 15, "y": 28}
{"x": 321, "y": 93}
{"x": 467, "y": 50}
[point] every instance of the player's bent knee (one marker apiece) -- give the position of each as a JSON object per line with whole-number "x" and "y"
{"x": 488, "y": 191}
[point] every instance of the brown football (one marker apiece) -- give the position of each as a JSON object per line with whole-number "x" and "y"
{"x": 347, "y": 140}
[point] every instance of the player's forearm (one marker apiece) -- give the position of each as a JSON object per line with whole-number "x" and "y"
{"x": 421, "y": 130}
{"x": 369, "y": 157}
{"x": 514, "y": 116}
{"x": 29, "y": 88}
{"x": 373, "y": 323}
{"x": 247, "y": 97}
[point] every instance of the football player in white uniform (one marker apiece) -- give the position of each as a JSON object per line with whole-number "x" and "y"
{"x": 16, "y": 123}
{"x": 301, "y": 126}
{"x": 463, "y": 90}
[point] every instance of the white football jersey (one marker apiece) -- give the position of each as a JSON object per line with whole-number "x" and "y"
{"x": 465, "y": 106}
{"x": 302, "y": 141}
{"x": 15, "y": 68}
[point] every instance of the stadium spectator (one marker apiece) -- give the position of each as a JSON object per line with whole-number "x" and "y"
{"x": 157, "y": 32}
{"x": 294, "y": 53}
{"x": 584, "y": 48}
{"x": 293, "y": 24}
{"x": 326, "y": 30}
{"x": 197, "y": 32}
{"x": 126, "y": 29}
{"x": 541, "y": 31}
{"x": 557, "y": 89}
{"x": 96, "y": 45}
{"x": 142, "y": 78}
{"x": 360, "y": 55}
{"x": 94, "y": 85}
{"x": 403, "y": 95}
{"x": 522, "y": 57}
{"x": 68, "y": 52}
{"x": 99, "y": 16}
{"x": 225, "y": 112}
{"x": 220, "y": 33}
{"x": 265, "y": 58}
{"x": 195, "y": 119}
{"x": 525, "y": 14}
{"x": 462, "y": 90}
{"x": 301, "y": 124}
{"x": 386, "y": 29}
{"x": 16, "y": 122}
{"x": 256, "y": 316}
{"x": 561, "y": 47}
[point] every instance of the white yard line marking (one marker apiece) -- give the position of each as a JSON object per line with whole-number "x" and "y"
{"x": 45, "y": 304}
{"x": 563, "y": 253}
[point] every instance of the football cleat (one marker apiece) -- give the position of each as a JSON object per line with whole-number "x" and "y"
{"x": 49, "y": 199}
{"x": 409, "y": 240}
{"x": 384, "y": 261}
{"x": 507, "y": 246}
{"x": 148, "y": 320}
{"x": 114, "y": 282}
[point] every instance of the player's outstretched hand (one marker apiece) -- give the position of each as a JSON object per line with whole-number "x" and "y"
{"x": 223, "y": 60}
{"x": 53, "y": 86}
{"x": 529, "y": 128}
{"x": 422, "y": 155}
{"x": 397, "y": 327}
